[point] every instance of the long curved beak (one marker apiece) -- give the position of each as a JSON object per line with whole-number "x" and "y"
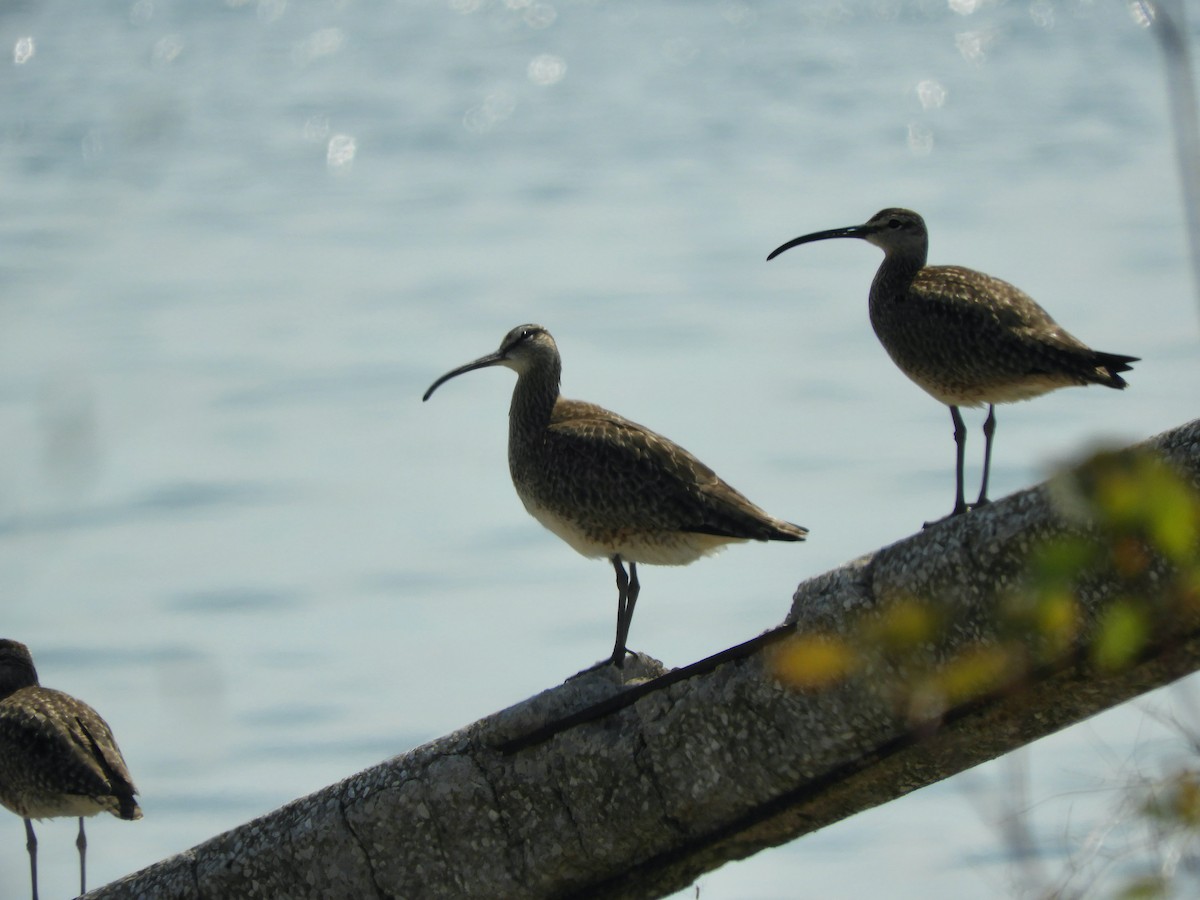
{"x": 853, "y": 231}
{"x": 492, "y": 359}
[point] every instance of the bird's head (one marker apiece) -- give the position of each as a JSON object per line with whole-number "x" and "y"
{"x": 523, "y": 348}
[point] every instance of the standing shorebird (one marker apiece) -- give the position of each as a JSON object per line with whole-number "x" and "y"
{"x": 607, "y": 486}
{"x": 965, "y": 338}
{"x": 57, "y": 756}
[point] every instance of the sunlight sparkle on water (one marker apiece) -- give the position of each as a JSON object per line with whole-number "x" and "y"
{"x": 167, "y": 49}
{"x": 495, "y": 108}
{"x": 341, "y": 150}
{"x": 23, "y": 51}
{"x": 931, "y": 93}
{"x": 323, "y": 42}
{"x": 1042, "y": 13}
{"x": 546, "y": 69}
{"x": 316, "y": 128}
{"x": 973, "y": 44}
{"x": 540, "y": 15}
{"x": 920, "y": 139}
{"x": 1142, "y": 13}
{"x": 141, "y": 12}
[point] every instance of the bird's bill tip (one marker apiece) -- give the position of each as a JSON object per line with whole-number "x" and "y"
{"x": 784, "y": 247}
{"x": 483, "y": 362}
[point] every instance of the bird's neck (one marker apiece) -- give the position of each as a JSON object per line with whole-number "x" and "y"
{"x": 533, "y": 402}
{"x": 14, "y": 678}
{"x": 895, "y": 277}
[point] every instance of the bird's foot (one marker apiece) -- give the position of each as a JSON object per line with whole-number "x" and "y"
{"x": 959, "y": 511}
{"x": 955, "y": 513}
{"x": 614, "y": 660}
{"x": 618, "y": 657}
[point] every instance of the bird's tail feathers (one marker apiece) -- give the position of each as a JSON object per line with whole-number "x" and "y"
{"x": 786, "y": 531}
{"x": 1109, "y": 364}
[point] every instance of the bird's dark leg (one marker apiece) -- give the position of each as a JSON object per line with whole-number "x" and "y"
{"x": 960, "y": 444}
{"x": 31, "y": 846}
{"x": 634, "y": 589}
{"x": 81, "y": 843}
{"x": 625, "y": 604}
{"x": 618, "y": 654}
{"x": 989, "y": 429}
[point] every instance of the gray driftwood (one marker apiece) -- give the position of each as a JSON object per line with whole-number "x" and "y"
{"x": 721, "y": 763}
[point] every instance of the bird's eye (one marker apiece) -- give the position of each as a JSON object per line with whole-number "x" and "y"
{"x": 894, "y": 223}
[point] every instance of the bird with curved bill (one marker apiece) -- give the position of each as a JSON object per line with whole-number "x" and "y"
{"x": 607, "y": 486}
{"x": 966, "y": 338}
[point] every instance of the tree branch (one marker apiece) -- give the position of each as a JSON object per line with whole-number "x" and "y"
{"x": 643, "y": 788}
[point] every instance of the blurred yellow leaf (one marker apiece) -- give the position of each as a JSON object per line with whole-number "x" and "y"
{"x": 903, "y": 626}
{"x": 1139, "y": 491}
{"x": 1175, "y": 526}
{"x": 1176, "y": 799}
{"x": 1062, "y": 559}
{"x": 976, "y": 671}
{"x": 1120, "y": 635}
{"x": 1058, "y": 620}
{"x": 1148, "y": 887}
{"x": 809, "y": 662}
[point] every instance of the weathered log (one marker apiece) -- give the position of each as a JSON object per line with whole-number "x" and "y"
{"x": 638, "y": 796}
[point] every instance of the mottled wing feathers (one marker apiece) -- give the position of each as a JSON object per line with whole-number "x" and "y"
{"x": 992, "y": 303}
{"x": 53, "y": 745}
{"x": 999, "y": 315}
{"x": 621, "y": 470}
{"x": 592, "y": 426}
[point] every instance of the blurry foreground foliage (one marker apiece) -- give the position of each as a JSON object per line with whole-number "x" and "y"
{"x": 1118, "y": 582}
{"x": 1131, "y": 536}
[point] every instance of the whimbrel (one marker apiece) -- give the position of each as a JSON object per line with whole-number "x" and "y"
{"x": 57, "y": 756}
{"x": 966, "y": 338}
{"x": 607, "y": 486}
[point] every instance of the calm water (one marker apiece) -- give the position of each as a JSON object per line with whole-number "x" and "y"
{"x": 241, "y": 238}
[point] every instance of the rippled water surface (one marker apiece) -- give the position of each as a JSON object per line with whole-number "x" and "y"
{"x": 240, "y": 239}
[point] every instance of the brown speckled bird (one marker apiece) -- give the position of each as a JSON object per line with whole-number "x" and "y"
{"x": 966, "y": 338}
{"x": 57, "y": 756}
{"x": 607, "y": 486}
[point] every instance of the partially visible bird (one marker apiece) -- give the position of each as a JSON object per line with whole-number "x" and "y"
{"x": 57, "y": 756}
{"x": 966, "y": 338}
{"x": 608, "y": 486}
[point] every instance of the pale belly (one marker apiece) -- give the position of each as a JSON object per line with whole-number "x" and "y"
{"x": 71, "y": 806}
{"x": 656, "y": 548}
{"x": 1025, "y": 388}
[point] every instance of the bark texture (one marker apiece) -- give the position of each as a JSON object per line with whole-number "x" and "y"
{"x": 673, "y": 777}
